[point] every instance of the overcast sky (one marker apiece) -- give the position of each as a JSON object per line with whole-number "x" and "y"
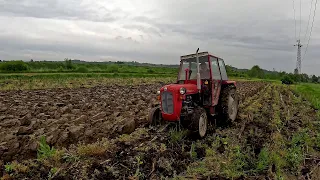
{"x": 244, "y": 33}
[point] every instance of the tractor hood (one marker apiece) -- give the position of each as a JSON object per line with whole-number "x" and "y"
{"x": 190, "y": 88}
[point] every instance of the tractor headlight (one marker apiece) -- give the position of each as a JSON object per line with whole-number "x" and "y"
{"x": 158, "y": 92}
{"x": 182, "y": 91}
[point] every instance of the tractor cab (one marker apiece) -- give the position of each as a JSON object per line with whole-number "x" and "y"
{"x": 202, "y": 89}
{"x": 212, "y": 75}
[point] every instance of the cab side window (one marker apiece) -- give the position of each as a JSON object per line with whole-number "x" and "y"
{"x": 223, "y": 70}
{"x": 215, "y": 68}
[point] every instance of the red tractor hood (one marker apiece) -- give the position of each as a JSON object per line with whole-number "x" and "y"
{"x": 191, "y": 88}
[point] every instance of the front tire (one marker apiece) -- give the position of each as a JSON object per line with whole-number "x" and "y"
{"x": 155, "y": 117}
{"x": 199, "y": 122}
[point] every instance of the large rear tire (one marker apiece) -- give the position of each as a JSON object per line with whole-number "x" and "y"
{"x": 199, "y": 122}
{"x": 229, "y": 104}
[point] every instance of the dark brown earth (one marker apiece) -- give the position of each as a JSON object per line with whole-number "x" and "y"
{"x": 70, "y": 116}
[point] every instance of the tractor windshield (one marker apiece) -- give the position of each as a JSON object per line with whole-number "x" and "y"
{"x": 189, "y": 66}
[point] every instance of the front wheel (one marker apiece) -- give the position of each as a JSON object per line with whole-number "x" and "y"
{"x": 199, "y": 122}
{"x": 155, "y": 116}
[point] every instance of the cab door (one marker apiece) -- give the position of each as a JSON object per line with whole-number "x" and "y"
{"x": 216, "y": 80}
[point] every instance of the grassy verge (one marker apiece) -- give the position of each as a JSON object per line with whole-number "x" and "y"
{"x": 254, "y": 79}
{"x": 311, "y": 92}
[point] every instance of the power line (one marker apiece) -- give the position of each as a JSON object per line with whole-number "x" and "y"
{"x": 295, "y": 22}
{"x": 305, "y": 36}
{"x": 314, "y": 14}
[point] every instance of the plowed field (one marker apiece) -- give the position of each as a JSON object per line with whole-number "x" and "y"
{"x": 102, "y": 133}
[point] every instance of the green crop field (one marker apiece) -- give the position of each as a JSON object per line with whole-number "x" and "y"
{"x": 311, "y": 92}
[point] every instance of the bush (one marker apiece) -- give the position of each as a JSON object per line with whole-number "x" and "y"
{"x": 68, "y": 63}
{"x": 257, "y": 72}
{"x": 113, "y": 69}
{"x": 60, "y": 69}
{"x": 14, "y": 66}
{"x": 44, "y": 150}
{"x": 82, "y": 69}
{"x": 150, "y": 71}
{"x": 287, "y": 80}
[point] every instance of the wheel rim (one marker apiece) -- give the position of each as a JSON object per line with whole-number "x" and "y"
{"x": 232, "y": 108}
{"x": 202, "y": 125}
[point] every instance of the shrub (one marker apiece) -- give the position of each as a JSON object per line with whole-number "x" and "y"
{"x": 263, "y": 160}
{"x": 113, "y": 69}
{"x": 150, "y": 71}
{"x": 82, "y": 69}
{"x": 17, "y": 167}
{"x": 68, "y": 64}
{"x": 60, "y": 69}
{"x": 13, "y": 66}
{"x": 287, "y": 80}
{"x": 44, "y": 150}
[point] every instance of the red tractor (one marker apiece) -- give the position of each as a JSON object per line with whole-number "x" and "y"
{"x": 202, "y": 90}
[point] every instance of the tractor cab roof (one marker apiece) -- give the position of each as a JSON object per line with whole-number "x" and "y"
{"x": 200, "y": 54}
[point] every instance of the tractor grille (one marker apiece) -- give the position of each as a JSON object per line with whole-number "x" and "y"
{"x": 167, "y": 102}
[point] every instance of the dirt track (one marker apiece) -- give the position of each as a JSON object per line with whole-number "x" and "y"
{"x": 85, "y": 115}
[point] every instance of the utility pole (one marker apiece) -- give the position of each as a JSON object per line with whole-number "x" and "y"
{"x": 298, "y": 66}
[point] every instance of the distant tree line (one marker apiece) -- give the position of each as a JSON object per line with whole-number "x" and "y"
{"x": 286, "y": 78}
{"x": 69, "y": 65}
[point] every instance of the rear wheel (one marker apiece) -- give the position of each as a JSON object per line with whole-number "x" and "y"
{"x": 229, "y": 104}
{"x": 199, "y": 122}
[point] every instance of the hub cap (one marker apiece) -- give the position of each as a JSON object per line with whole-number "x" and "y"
{"x": 232, "y": 108}
{"x": 202, "y": 125}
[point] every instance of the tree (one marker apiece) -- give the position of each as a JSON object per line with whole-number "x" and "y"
{"x": 314, "y": 79}
{"x": 256, "y": 71}
{"x": 14, "y": 66}
{"x": 287, "y": 79}
{"x": 68, "y": 63}
{"x": 295, "y": 77}
{"x": 304, "y": 78}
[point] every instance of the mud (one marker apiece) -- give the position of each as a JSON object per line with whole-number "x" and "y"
{"x": 68, "y": 117}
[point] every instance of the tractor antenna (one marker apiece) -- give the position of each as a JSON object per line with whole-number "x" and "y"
{"x": 198, "y": 72}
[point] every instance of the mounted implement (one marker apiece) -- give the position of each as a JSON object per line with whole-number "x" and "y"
{"x": 202, "y": 90}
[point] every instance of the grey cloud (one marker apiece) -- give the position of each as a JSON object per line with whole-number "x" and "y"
{"x": 55, "y": 9}
{"x": 94, "y": 51}
{"x": 143, "y": 28}
{"x": 244, "y": 32}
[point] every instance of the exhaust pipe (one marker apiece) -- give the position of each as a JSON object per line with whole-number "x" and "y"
{"x": 198, "y": 72}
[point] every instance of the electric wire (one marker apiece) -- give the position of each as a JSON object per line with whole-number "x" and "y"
{"x": 305, "y": 36}
{"x": 314, "y": 14}
{"x": 295, "y": 22}
{"x": 300, "y": 21}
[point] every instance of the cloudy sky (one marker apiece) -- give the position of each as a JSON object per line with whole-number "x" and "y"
{"x": 244, "y": 33}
